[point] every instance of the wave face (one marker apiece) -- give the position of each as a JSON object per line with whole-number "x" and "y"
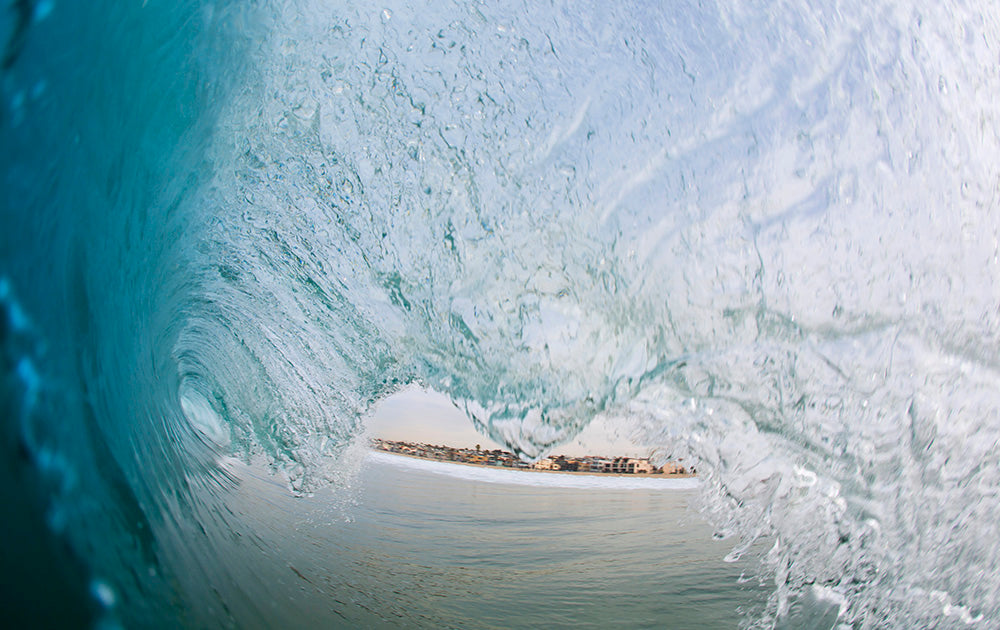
{"x": 764, "y": 240}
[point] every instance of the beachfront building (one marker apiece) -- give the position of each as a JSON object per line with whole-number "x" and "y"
{"x": 630, "y": 466}
{"x": 501, "y": 458}
{"x": 642, "y": 466}
{"x": 600, "y": 465}
{"x": 546, "y": 464}
{"x": 673, "y": 468}
{"x": 571, "y": 465}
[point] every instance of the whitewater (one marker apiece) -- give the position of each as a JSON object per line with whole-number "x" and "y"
{"x": 761, "y": 238}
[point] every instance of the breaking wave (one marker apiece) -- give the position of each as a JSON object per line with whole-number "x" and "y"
{"x": 764, "y": 240}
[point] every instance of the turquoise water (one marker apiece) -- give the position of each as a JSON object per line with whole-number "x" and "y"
{"x": 763, "y": 239}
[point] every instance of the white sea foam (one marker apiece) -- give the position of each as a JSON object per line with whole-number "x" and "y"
{"x": 528, "y": 478}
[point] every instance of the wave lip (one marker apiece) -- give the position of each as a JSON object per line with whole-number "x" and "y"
{"x": 486, "y": 474}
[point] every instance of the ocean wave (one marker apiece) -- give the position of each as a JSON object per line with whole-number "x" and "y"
{"x": 763, "y": 241}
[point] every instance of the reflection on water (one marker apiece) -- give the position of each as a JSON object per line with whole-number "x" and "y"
{"x": 411, "y": 548}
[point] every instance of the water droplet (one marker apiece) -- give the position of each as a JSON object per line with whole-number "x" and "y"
{"x": 103, "y": 593}
{"x": 44, "y": 9}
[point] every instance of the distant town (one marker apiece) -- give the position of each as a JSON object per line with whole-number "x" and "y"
{"x": 593, "y": 464}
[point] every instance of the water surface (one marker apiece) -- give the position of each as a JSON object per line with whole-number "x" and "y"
{"x": 412, "y": 548}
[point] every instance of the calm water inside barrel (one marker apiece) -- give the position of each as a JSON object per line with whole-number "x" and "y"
{"x": 405, "y": 547}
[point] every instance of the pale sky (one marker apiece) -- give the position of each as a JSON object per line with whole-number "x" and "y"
{"x": 420, "y": 415}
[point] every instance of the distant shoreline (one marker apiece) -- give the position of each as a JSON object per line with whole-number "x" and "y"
{"x": 547, "y": 472}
